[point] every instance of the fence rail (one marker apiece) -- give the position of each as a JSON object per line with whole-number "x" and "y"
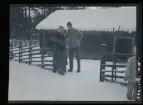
{"x": 113, "y": 67}
{"x": 27, "y": 54}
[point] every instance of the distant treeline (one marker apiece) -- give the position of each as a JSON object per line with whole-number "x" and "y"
{"x": 90, "y": 44}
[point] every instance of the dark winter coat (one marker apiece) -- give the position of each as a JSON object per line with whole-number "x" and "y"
{"x": 59, "y": 44}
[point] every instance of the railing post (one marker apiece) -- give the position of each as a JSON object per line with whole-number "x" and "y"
{"x": 114, "y": 63}
{"x": 42, "y": 57}
{"x": 11, "y": 54}
{"x": 103, "y": 51}
{"x": 54, "y": 60}
{"x": 113, "y": 71}
{"x": 29, "y": 36}
{"x": 30, "y": 51}
{"x": 12, "y": 47}
{"x": 20, "y": 51}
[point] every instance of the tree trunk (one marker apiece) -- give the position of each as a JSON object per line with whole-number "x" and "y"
{"x": 44, "y": 11}
{"x": 25, "y": 12}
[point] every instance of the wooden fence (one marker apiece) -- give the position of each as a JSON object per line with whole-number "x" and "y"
{"x": 112, "y": 70}
{"x": 33, "y": 54}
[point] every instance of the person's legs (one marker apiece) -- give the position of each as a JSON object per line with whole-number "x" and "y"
{"x": 57, "y": 59}
{"x": 64, "y": 60}
{"x": 77, "y": 52}
{"x": 71, "y": 54}
{"x": 54, "y": 61}
{"x": 134, "y": 92}
{"x": 60, "y": 62}
{"x": 130, "y": 87}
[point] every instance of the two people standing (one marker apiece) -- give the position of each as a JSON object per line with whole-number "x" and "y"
{"x": 63, "y": 41}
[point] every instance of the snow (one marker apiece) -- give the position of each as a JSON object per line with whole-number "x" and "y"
{"x": 107, "y": 7}
{"x": 33, "y": 83}
{"x": 92, "y": 19}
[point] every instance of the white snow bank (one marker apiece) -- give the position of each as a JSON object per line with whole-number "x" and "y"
{"x": 32, "y": 83}
{"x": 107, "y": 7}
{"x": 96, "y": 19}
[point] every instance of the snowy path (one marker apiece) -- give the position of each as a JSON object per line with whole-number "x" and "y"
{"x": 33, "y": 83}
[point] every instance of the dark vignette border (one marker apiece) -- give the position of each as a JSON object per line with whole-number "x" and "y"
{"x": 139, "y": 52}
{"x": 138, "y": 43}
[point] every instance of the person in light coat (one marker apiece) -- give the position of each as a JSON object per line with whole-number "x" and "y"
{"x": 74, "y": 38}
{"x": 130, "y": 76}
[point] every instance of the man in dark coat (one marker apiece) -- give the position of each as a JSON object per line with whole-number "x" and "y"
{"x": 60, "y": 56}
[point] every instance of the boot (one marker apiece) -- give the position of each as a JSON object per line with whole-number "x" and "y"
{"x": 60, "y": 71}
{"x": 78, "y": 70}
{"x": 64, "y": 69}
{"x": 129, "y": 97}
{"x": 70, "y": 70}
{"x": 54, "y": 71}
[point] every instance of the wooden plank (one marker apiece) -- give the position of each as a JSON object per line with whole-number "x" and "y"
{"x": 38, "y": 65}
{"x": 36, "y": 53}
{"x": 121, "y": 66}
{"x": 25, "y": 61}
{"x": 48, "y": 60}
{"x": 120, "y": 71}
{"x": 114, "y": 76}
{"x": 48, "y": 56}
{"x": 15, "y": 50}
{"x": 16, "y": 60}
{"x": 16, "y": 56}
{"x": 48, "y": 64}
{"x": 106, "y": 79}
{"x": 30, "y": 47}
{"x": 25, "y": 58}
{"x": 35, "y": 50}
{"x": 49, "y": 53}
{"x": 114, "y": 71}
{"x": 25, "y": 55}
{"x": 119, "y": 82}
{"x": 114, "y": 54}
{"x": 18, "y": 47}
{"x": 47, "y": 48}
{"x": 16, "y": 53}
{"x": 48, "y": 68}
{"x": 24, "y": 47}
{"x": 36, "y": 61}
{"x": 24, "y": 51}
{"x": 122, "y": 83}
{"x": 36, "y": 57}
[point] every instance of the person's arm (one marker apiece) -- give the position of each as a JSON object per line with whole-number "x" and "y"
{"x": 67, "y": 42}
{"x": 80, "y": 35}
{"x": 128, "y": 69}
{"x": 66, "y": 39}
{"x": 54, "y": 37}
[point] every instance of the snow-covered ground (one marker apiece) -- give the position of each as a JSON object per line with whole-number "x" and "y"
{"x": 33, "y": 83}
